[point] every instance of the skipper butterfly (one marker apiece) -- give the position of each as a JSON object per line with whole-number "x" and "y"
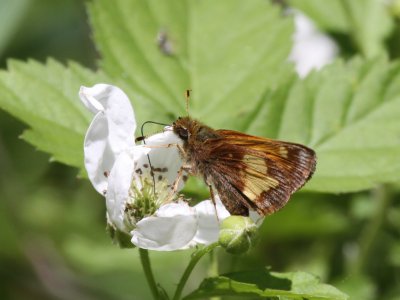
{"x": 248, "y": 172}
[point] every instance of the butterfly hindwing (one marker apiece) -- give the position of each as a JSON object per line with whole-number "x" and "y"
{"x": 255, "y": 173}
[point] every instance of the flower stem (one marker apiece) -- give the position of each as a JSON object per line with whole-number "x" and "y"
{"x": 144, "y": 259}
{"x": 213, "y": 269}
{"x": 195, "y": 259}
{"x": 368, "y": 237}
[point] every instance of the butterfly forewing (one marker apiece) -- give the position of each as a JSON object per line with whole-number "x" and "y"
{"x": 258, "y": 173}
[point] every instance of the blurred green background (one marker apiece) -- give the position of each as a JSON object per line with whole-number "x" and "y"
{"x": 52, "y": 225}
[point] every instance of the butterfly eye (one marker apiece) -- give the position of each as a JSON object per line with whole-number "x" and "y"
{"x": 183, "y": 133}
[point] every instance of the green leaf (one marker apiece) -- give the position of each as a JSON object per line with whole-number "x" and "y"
{"x": 263, "y": 283}
{"x": 224, "y": 60}
{"x": 228, "y": 52}
{"x": 349, "y": 113}
{"x": 367, "y": 21}
{"x": 359, "y": 287}
{"x": 236, "y": 67}
{"x": 46, "y": 98}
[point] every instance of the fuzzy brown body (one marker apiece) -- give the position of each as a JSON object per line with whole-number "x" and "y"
{"x": 248, "y": 172}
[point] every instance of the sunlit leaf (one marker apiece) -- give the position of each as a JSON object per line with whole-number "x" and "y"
{"x": 224, "y": 61}
{"x": 262, "y": 283}
{"x": 367, "y": 21}
{"x": 228, "y": 52}
{"x": 46, "y": 98}
{"x": 349, "y": 114}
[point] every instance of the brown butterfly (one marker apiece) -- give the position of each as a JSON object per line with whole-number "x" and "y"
{"x": 248, "y": 172}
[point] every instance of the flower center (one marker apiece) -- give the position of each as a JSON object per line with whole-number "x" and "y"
{"x": 144, "y": 199}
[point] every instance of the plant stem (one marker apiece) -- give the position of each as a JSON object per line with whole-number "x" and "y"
{"x": 372, "y": 229}
{"x": 213, "y": 269}
{"x": 144, "y": 259}
{"x": 195, "y": 259}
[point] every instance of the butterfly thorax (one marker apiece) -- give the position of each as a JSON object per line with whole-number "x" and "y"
{"x": 195, "y": 137}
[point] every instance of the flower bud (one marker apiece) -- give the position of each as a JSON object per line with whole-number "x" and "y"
{"x": 237, "y": 234}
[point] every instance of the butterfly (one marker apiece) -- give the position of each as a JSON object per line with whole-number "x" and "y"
{"x": 247, "y": 172}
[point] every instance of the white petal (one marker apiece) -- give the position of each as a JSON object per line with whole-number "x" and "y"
{"x": 99, "y": 158}
{"x": 119, "y": 182}
{"x": 88, "y": 97}
{"x": 118, "y": 110}
{"x": 311, "y": 49}
{"x": 166, "y": 161}
{"x": 172, "y": 228}
{"x": 171, "y": 210}
{"x": 111, "y": 131}
{"x": 209, "y": 218}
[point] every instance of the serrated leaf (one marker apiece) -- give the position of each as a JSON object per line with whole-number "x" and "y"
{"x": 228, "y": 52}
{"x": 263, "y": 283}
{"x": 207, "y": 52}
{"x": 46, "y": 98}
{"x": 349, "y": 113}
{"x": 367, "y": 21}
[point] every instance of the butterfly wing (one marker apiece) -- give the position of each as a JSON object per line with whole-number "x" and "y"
{"x": 256, "y": 173}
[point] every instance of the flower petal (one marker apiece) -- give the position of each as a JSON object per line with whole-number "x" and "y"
{"x": 110, "y": 132}
{"x": 166, "y": 161}
{"x": 171, "y": 228}
{"x": 119, "y": 183}
{"x": 311, "y": 49}
{"x": 99, "y": 158}
{"x": 209, "y": 218}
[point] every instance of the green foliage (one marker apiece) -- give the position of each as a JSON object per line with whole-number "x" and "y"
{"x": 232, "y": 54}
{"x": 340, "y": 112}
{"x": 44, "y": 97}
{"x": 266, "y": 284}
{"x": 226, "y": 61}
{"x": 366, "y": 22}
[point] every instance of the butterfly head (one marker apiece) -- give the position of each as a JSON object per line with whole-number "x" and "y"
{"x": 183, "y": 128}
{"x": 193, "y": 131}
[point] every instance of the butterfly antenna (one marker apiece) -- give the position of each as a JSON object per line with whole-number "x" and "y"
{"x": 187, "y": 96}
{"x": 143, "y": 138}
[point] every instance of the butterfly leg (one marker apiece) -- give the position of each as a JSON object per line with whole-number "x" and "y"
{"x": 182, "y": 169}
{"x": 175, "y": 184}
{"x": 187, "y": 168}
{"x": 213, "y": 200}
{"x": 161, "y": 146}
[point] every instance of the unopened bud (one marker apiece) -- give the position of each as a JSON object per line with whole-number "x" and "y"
{"x": 237, "y": 234}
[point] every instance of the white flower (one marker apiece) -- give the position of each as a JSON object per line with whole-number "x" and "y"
{"x": 179, "y": 226}
{"x": 311, "y": 49}
{"x": 122, "y": 172}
